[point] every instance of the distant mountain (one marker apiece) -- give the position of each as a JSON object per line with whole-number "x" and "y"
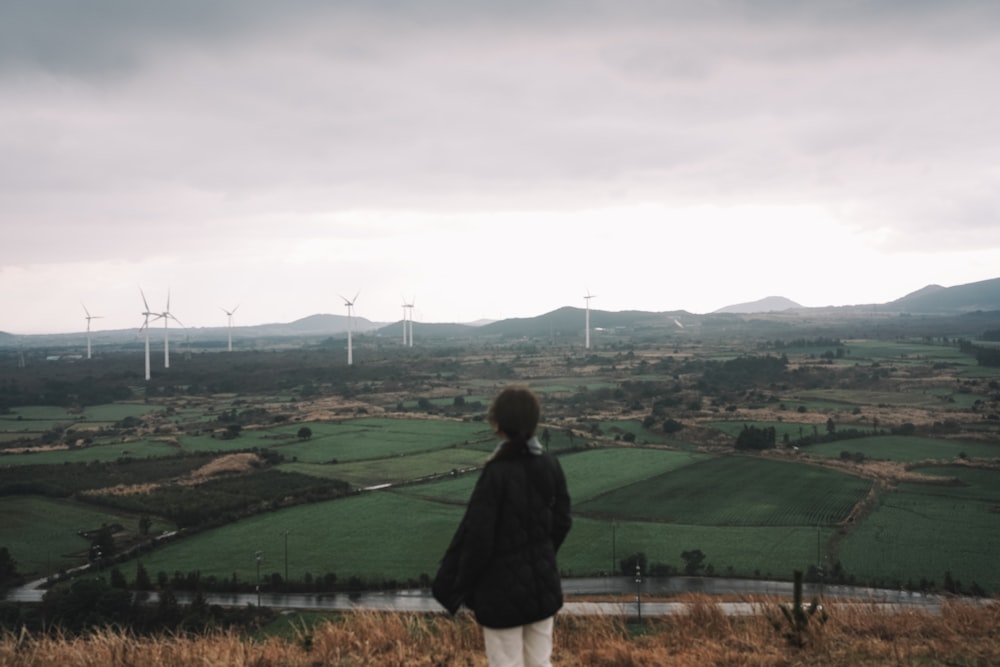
{"x": 969, "y": 300}
{"x": 771, "y": 304}
{"x": 322, "y": 324}
{"x": 427, "y": 330}
{"x": 936, "y": 300}
{"x": 570, "y": 320}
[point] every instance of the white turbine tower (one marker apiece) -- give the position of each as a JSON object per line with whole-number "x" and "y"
{"x": 410, "y": 307}
{"x": 89, "y": 317}
{"x": 229, "y": 317}
{"x": 350, "y": 326}
{"x": 587, "y": 320}
{"x": 145, "y": 327}
{"x": 405, "y": 306}
{"x": 166, "y": 316}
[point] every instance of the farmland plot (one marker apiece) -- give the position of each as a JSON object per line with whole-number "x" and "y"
{"x": 393, "y": 470}
{"x": 737, "y": 491}
{"x": 924, "y": 531}
{"x": 360, "y": 439}
{"x": 373, "y": 536}
{"x": 42, "y": 533}
{"x": 588, "y": 474}
{"x": 595, "y": 547}
{"x": 906, "y": 448}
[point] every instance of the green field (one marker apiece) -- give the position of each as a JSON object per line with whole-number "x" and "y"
{"x": 106, "y": 452}
{"x": 41, "y": 533}
{"x": 595, "y": 547}
{"x": 736, "y": 491}
{"x": 906, "y": 448}
{"x": 42, "y": 418}
{"x": 905, "y": 351}
{"x": 393, "y": 470}
{"x": 751, "y": 516}
{"x": 361, "y": 439}
{"x": 923, "y": 531}
{"x": 373, "y": 536}
{"x": 842, "y": 399}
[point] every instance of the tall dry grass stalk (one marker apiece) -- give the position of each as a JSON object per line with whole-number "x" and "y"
{"x": 856, "y": 635}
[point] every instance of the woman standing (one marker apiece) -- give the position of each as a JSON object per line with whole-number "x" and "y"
{"x": 501, "y": 563}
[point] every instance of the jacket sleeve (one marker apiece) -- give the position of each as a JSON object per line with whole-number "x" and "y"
{"x": 480, "y": 527}
{"x": 561, "y": 519}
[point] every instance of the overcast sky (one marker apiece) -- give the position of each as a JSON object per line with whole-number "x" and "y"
{"x": 489, "y": 159}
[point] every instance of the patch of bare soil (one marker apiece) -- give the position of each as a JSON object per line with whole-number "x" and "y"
{"x": 229, "y": 464}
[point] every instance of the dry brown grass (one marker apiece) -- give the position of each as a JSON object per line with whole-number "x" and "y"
{"x": 856, "y": 635}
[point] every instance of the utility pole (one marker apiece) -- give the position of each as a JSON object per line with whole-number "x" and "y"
{"x": 638, "y": 591}
{"x": 286, "y": 558}
{"x": 259, "y": 557}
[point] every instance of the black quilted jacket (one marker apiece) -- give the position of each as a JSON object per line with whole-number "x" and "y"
{"x": 515, "y": 522}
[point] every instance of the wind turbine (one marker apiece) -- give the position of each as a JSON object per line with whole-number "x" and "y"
{"x": 166, "y": 316}
{"x": 145, "y": 327}
{"x": 587, "y": 321}
{"x": 405, "y": 306}
{"x": 410, "y": 306}
{"x": 350, "y": 326}
{"x": 89, "y": 317}
{"x": 229, "y": 316}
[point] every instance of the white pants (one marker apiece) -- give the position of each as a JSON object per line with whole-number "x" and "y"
{"x": 522, "y": 646}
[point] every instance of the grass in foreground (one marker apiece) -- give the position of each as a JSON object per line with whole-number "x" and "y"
{"x": 858, "y": 635}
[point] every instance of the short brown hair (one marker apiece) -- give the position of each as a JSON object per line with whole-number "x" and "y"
{"x": 515, "y": 411}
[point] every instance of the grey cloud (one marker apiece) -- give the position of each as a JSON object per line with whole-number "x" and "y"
{"x": 220, "y": 110}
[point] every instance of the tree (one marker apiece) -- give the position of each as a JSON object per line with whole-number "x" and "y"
{"x": 694, "y": 561}
{"x": 752, "y": 437}
{"x": 118, "y": 579}
{"x": 103, "y": 546}
{"x": 142, "y": 582}
{"x": 144, "y": 524}
{"x": 629, "y": 563}
{"x": 304, "y": 433}
{"x": 546, "y": 437}
{"x": 672, "y": 426}
{"x": 8, "y": 568}
{"x": 831, "y": 426}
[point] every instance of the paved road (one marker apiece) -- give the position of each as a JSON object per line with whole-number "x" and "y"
{"x": 421, "y": 601}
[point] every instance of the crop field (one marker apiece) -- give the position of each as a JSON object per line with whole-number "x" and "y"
{"x": 40, "y": 418}
{"x": 588, "y": 474}
{"x": 924, "y": 531}
{"x": 41, "y": 533}
{"x": 907, "y": 449}
{"x": 737, "y": 491}
{"x": 373, "y": 535}
{"x": 387, "y": 535}
{"x": 843, "y": 398}
{"x": 976, "y": 484}
{"x": 393, "y": 470}
{"x": 374, "y": 438}
{"x": 596, "y": 546}
{"x": 902, "y": 351}
{"x": 103, "y": 453}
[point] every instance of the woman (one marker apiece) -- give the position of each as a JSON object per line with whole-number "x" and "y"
{"x": 501, "y": 563}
